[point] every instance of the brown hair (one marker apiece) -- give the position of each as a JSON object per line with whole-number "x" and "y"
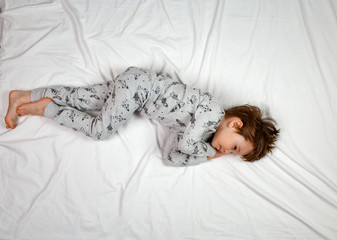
{"x": 260, "y": 131}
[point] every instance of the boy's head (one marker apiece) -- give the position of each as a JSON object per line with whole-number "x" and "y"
{"x": 244, "y": 131}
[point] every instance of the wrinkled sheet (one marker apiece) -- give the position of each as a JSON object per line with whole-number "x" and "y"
{"x": 279, "y": 55}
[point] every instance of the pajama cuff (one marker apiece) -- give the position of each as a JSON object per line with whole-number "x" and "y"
{"x": 51, "y": 110}
{"x": 210, "y": 151}
{"x": 37, "y": 94}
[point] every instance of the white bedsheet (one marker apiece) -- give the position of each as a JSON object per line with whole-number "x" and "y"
{"x": 280, "y": 55}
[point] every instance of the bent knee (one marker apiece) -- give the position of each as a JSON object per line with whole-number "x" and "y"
{"x": 98, "y": 136}
{"x": 138, "y": 76}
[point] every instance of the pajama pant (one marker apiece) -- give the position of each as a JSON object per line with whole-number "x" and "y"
{"x": 99, "y": 110}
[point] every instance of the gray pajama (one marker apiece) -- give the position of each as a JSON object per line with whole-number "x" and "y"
{"x": 99, "y": 110}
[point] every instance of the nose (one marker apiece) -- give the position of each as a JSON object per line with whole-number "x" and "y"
{"x": 222, "y": 150}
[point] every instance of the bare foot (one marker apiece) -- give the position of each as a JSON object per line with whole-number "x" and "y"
{"x": 16, "y": 98}
{"x": 33, "y": 108}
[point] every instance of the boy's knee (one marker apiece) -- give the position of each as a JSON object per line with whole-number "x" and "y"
{"x": 138, "y": 76}
{"x": 100, "y": 136}
{"x": 173, "y": 164}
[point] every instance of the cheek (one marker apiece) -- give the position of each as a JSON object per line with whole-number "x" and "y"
{"x": 214, "y": 141}
{"x": 218, "y": 138}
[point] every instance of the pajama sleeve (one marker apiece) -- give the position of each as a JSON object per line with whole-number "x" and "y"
{"x": 177, "y": 158}
{"x": 188, "y": 146}
{"x": 205, "y": 120}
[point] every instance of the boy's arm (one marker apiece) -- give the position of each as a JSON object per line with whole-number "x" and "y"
{"x": 196, "y": 148}
{"x": 177, "y": 158}
{"x": 217, "y": 154}
{"x": 191, "y": 140}
{"x": 205, "y": 120}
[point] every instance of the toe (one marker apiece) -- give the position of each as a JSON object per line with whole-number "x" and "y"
{"x": 10, "y": 126}
{"x": 19, "y": 110}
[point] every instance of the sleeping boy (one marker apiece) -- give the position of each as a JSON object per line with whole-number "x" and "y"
{"x": 200, "y": 129}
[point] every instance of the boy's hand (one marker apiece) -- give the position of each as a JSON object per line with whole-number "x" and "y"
{"x": 217, "y": 154}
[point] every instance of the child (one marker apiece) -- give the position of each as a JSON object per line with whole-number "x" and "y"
{"x": 199, "y": 128}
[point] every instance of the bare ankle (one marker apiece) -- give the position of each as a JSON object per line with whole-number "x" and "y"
{"x": 34, "y": 108}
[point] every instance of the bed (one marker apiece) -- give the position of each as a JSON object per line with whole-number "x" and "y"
{"x": 280, "y": 55}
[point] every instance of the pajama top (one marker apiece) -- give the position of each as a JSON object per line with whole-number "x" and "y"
{"x": 191, "y": 115}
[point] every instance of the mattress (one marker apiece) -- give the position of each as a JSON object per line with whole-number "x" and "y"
{"x": 279, "y": 55}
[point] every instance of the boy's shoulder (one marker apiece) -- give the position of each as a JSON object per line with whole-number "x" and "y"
{"x": 208, "y": 114}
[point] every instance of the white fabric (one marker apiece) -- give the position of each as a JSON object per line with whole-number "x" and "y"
{"x": 280, "y": 55}
{"x": 7, "y": 5}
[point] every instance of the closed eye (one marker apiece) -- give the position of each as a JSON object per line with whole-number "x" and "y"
{"x": 236, "y": 150}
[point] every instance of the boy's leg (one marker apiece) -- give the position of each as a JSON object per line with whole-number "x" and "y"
{"x": 36, "y": 108}
{"x": 91, "y": 98}
{"x": 63, "y": 115}
{"x": 129, "y": 92}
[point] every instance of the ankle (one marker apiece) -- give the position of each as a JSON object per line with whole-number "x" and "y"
{"x": 45, "y": 102}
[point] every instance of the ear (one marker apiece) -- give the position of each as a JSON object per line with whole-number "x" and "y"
{"x": 236, "y": 123}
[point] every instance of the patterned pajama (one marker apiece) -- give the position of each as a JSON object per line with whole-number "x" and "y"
{"x": 99, "y": 110}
